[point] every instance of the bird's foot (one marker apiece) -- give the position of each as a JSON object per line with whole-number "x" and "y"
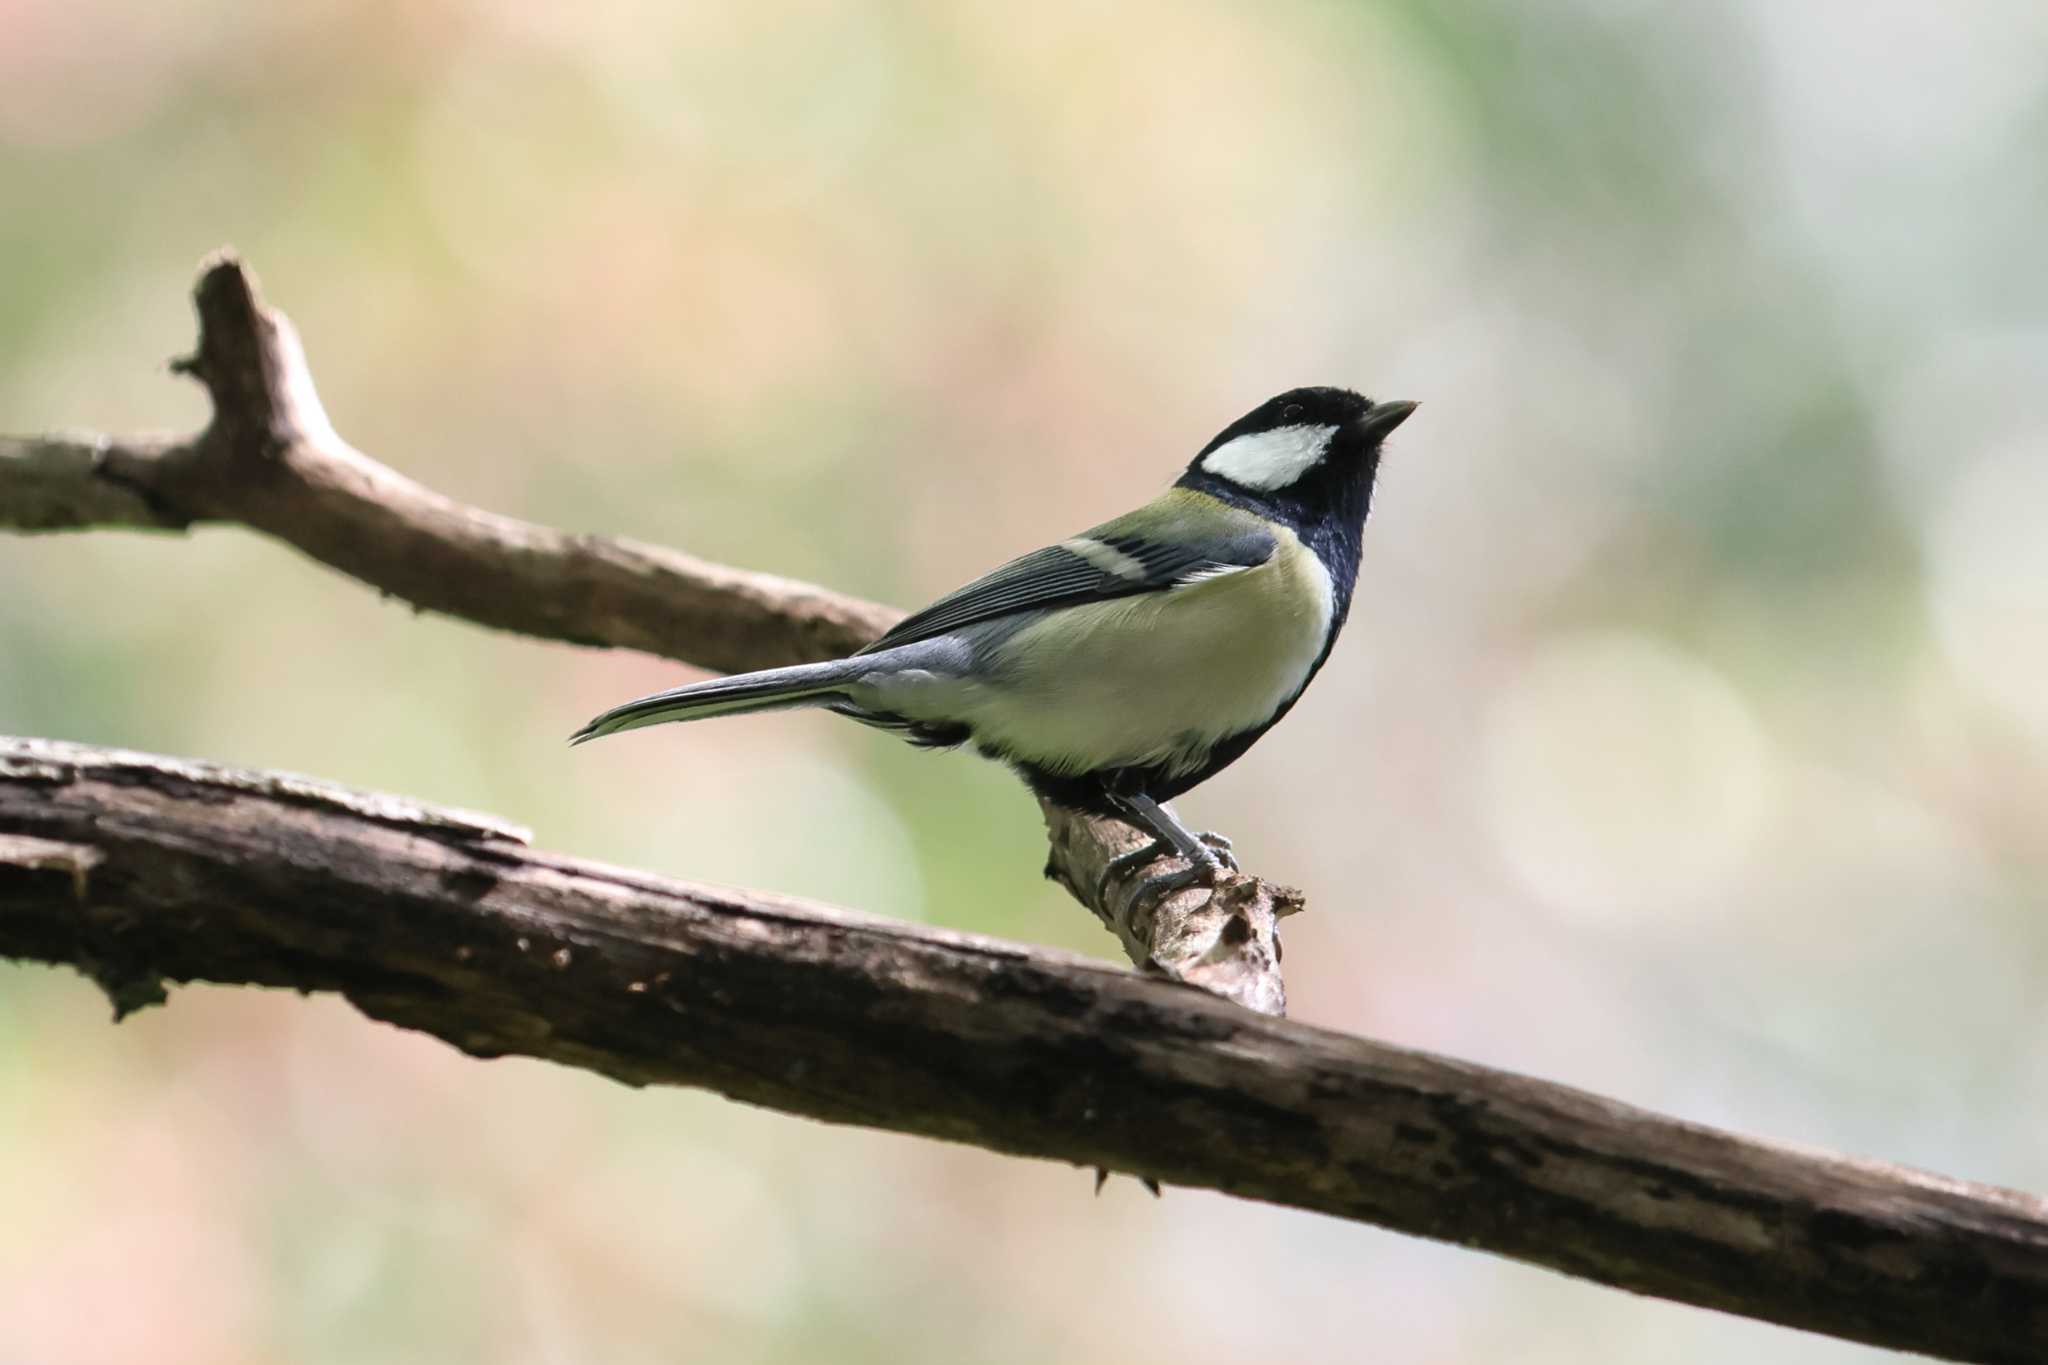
{"x": 1163, "y": 884}
{"x": 1202, "y": 872}
{"x": 1199, "y": 871}
{"x": 1208, "y": 856}
{"x": 1221, "y": 846}
{"x": 1124, "y": 864}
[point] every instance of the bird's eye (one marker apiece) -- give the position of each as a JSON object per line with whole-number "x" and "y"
{"x": 1291, "y": 413}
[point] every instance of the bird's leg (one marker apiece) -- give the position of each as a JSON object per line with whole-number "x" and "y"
{"x": 1200, "y": 849}
{"x": 1203, "y": 860}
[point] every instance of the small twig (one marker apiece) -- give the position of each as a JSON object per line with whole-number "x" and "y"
{"x": 1227, "y": 941}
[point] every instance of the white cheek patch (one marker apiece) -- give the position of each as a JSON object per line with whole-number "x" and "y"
{"x": 1267, "y": 460}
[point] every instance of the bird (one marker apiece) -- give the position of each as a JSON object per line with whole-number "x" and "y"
{"x": 1120, "y": 667}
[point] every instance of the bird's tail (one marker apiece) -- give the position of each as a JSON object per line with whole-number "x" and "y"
{"x": 770, "y": 689}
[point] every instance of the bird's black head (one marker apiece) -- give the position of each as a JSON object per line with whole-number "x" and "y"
{"x": 1307, "y": 457}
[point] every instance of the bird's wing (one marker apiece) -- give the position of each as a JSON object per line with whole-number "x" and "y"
{"x": 1182, "y": 537}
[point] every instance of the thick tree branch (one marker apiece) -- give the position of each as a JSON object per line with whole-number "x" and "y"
{"x": 137, "y": 869}
{"x": 270, "y": 459}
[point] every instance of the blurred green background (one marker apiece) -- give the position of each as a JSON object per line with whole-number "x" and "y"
{"x": 1689, "y": 742}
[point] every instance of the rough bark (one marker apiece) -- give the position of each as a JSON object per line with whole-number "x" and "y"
{"x": 271, "y": 460}
{"x": 139, "y": 870}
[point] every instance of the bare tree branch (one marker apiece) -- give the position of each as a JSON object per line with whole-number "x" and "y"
{"x": 270, "y": 460}
{"x": 55, "y": 483}
{"x": 137, "y": 869}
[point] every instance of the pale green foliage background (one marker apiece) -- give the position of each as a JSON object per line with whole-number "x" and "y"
{"x": 1689, "y": 743}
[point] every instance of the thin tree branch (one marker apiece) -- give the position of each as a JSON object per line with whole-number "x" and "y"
{"x": 137, "y": 869}
{"x": 270, "y": 459}
{"x": 59, "y": 483}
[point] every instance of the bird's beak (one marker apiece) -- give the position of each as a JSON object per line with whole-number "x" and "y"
{"x": 1381, "y": 418}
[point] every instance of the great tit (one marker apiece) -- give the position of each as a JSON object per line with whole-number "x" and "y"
{"x": 1122, "y": 666}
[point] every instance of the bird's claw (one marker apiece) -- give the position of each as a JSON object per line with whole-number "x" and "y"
{"x": 1124, "y": 864}
{"x": 1221, "y": 846}
{"x": 1161, "y": 885}
{"x": 1216, "y": 858}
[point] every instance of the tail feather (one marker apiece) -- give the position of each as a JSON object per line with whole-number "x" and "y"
{"x": 768, "y": 690}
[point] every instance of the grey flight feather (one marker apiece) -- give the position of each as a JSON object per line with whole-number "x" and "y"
{"x": 768, "y": 690}
{"x": 773, "y": 689}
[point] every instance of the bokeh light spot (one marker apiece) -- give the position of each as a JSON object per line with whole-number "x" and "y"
{"x": 1989, "y": 563}
{"x": 1621, "y": 776}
